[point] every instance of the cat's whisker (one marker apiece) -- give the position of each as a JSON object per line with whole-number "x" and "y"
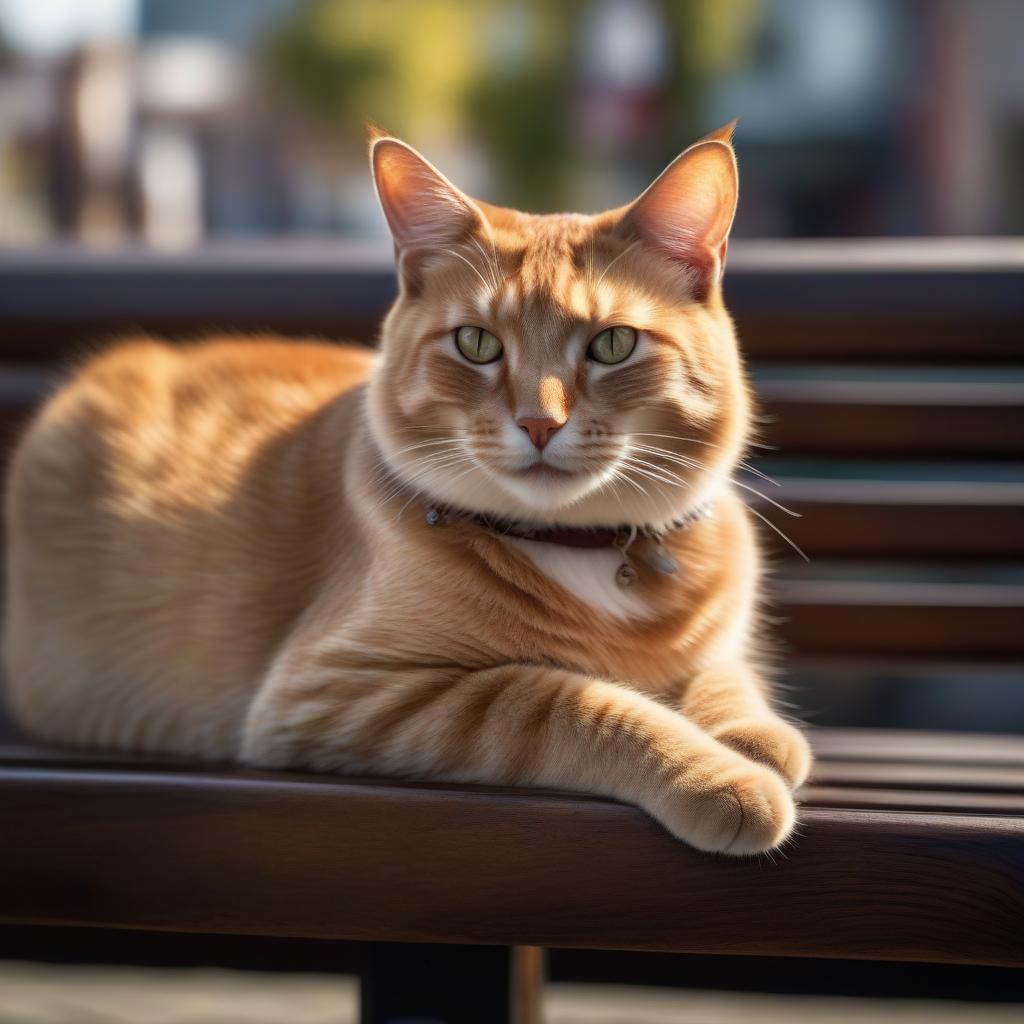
{"x": 668, "y": 456}
{"x": 796, "y": 547}
{"x": 698, "y": 440}
{"x": 750, "y": 508}
{"x": 384, "y": 461}
{"x": 455, "y": 479}
{"x": 742, "y": 464}
{"x": 697, "y": 464}
{"x": 414, "y": 492}
{"x": 494, "y": 255}
{"x": 422, "y": 444}
{"x": 458, "y": 255}
{"x": 625, "y": 476}
{"x": 665, "y": 474}
{"x": 764, "y": 497}
{"x": 657, "y": 481}
{"x": 617, "y": 474}
{"x": 426, "y": 467}
{"x": 760, "y": 474}
{"x": 432, "y": 457}
{"x": 492, "y": 268}
{"x": 668, "y": 499}
{"x": 629, "y": 248}
{"x": 439, "y": 461}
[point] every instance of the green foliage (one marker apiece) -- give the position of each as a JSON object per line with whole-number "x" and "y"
{"x": 504, "y": 74}
{"x": 333, "y": 82}
{"x": 520, "y": 122}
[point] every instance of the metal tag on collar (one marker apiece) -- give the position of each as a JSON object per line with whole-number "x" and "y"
{"x": 661, "y": 561}
{"x": 626, "y": 575}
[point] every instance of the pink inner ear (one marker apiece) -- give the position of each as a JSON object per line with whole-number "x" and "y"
{"x": 688, "y": 211}
{"x": 421, "y": 205}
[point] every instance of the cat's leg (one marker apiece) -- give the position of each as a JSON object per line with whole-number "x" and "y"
{"x": 523, "y": 724}
{"x": 729, "y": 703}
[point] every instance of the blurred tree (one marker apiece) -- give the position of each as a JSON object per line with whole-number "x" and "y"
{"x": 518, "y": 104}
{"x": 403, "y": 64}
{"x": 514, "y": 78}
{"x": 710, "y": 39}
{"x": 331, "y": 80}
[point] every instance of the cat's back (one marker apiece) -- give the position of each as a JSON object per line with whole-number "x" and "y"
{"x": 146, "y": 503}
{"x": 144, "y": 401}
{"x": 148, "y": 431}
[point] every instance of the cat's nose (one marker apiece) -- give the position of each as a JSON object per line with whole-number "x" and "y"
{"x": 540, "y": 429}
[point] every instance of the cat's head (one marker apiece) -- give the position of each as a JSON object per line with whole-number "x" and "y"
{"x": 569, "y": 368}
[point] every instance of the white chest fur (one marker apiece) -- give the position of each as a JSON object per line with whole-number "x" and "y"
{"x": 587, "y": 573}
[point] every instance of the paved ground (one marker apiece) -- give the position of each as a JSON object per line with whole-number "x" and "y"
{"x": 40, "y": 994}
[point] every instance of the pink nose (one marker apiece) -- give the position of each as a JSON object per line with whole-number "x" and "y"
{"x": 539, "y": 429}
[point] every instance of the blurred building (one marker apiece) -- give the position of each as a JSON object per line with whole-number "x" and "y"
{"x": 176, "y": 121}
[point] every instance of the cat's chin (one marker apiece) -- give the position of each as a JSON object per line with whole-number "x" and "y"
{"x": 545, "y": 491}
{"x": 540, "y": 494}
{"x": 547, "y": 495}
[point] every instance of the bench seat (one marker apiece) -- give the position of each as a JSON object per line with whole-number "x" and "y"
{"x": 911, "y": 848}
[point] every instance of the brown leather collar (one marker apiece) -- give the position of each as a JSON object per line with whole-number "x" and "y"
{"x": 566, "y": 536}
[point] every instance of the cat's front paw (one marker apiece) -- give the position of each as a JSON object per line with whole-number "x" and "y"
{"x": 740, "y": 809}
{"x": 770, "y": 741}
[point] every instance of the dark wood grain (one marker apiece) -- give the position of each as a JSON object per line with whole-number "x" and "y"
{"x": 918, "y": 747}
{"x": 319, "y": 857}
{"x": 882, "y": 618}
{"x": 799, "y": 301}
{"x": 831, "y": 425}
{"x": 880, "y": 519}
{"x": 953, "y": 800}
{"x": 951, "y": 777}
{"x": 949, "y": 750}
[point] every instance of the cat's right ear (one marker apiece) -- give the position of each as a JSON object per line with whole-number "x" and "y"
{"x": 424, "y": 210}
{"x": 687, "y": 213}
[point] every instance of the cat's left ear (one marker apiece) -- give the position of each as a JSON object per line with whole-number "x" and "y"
{"x": 423, "y": 208}
{"x": 687, "y": 212}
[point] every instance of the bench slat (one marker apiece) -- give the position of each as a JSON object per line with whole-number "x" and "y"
{"x": 895, "y": 775}
{"x": 918, "y": 746}
{"x": 872, "y": 746}
{"x": 332, "y": 858}
{"x": 952, "y": 801}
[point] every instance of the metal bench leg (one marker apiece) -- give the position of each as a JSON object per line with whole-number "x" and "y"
{"x": 407, "y": 983}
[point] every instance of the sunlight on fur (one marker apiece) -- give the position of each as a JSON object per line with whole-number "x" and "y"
{"x": 505, "y": 548}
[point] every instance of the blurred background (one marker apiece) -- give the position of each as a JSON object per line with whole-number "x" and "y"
{"x": 176, "y": 121}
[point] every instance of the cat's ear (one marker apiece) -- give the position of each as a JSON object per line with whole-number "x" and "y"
{"x": 687, "y": 212}
{"x": 723, "y": 134}
{"x": 423, "y": 208}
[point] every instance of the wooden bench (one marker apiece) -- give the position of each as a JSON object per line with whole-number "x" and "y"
{"x": 912, "y": 847}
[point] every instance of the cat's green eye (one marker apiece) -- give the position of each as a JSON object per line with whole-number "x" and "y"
{"x": 612, "y": 345}
{"x": 478, "y": 345}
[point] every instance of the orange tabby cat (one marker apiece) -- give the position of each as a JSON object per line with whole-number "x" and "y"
{"x": 482, "y": 554}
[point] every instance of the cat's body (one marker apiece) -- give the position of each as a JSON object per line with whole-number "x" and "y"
{"x": 223, "y": 550}
{"x": 171, "y": 520}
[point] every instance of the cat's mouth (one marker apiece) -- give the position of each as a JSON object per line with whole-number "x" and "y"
{"x": 542, "y": 471}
